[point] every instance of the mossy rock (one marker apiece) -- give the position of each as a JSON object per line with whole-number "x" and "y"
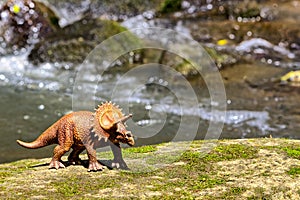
{"x": 74, "y": 42}
{"x": 232, "y": 169}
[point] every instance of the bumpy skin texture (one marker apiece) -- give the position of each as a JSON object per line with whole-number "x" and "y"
{"x": 79, "y": 131}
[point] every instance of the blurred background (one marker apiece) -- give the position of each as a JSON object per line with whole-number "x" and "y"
{"x": 254, "y": 43}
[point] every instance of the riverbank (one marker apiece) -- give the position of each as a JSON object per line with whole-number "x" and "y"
{"x": 263, "y": 168}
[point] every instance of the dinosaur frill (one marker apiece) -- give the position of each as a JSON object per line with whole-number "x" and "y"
{"x": 109, "y": 114}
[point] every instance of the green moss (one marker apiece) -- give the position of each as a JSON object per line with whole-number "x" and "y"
{"x": 293, "y": 171}
{"x": 220, "y": 153}
{"x": 292, "y": 152}
{"x": 232, "y": 193}
{"x": 237, "y": 190}
{"x": 80, "y": 185}
{"x": 231, "y": 152}
{"x": 249, "y": 10}
{"x": 4, "y": 174}
{"x": 16, "y": 168}
{"x": 205, "y": 181}
{"x": 143, "y": 149}
{"x": 194, "y": 161}
{"x": 169, "y": 6}
{"x": 68, "y": 188}
{"x": 187, "y": 69}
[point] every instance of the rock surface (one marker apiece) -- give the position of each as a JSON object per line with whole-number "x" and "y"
{"x": 254, "y": 168}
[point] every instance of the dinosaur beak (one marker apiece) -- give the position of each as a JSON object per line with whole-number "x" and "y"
{"x": 130, "y": 139}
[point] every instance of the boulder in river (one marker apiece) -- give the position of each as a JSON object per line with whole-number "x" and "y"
{"x": 23, "y": 22}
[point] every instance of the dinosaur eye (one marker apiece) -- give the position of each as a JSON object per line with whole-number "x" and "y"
{"x": 128, "y": 134}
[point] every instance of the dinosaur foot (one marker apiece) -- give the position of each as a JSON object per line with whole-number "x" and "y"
{"x": 75, "y": 161}
{"x": 95, "y": 166}
{"x": 119, "y": 165}
{"x": 56, "y": 164}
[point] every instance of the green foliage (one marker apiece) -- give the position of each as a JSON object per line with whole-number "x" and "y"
{"x": 169, "y": 6}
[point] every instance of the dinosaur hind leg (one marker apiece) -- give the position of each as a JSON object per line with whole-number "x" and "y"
{"x": 58, "y": 152}
{"x": 73, "y": 158}
{"x": 65, "y": 142}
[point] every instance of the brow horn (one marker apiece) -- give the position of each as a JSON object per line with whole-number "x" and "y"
{"x": 124, "y": 119}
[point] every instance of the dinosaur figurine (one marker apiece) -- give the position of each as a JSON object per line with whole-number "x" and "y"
{"x": 86, "y": 130}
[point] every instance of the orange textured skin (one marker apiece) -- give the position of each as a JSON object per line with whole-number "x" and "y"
{"x": 80, "y": 131}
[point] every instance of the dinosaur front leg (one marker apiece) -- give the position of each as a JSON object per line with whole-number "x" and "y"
{"x": 94, "y": 165}
{"x": 118, "y": 161}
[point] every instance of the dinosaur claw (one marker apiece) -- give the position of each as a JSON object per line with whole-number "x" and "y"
{"x": 56, "y": 164}
{"x": 120, "y": 165}
{"x": 95, "y": 166}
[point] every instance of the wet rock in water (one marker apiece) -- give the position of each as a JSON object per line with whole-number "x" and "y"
{"x": 221, "y": 58}
{"x": 23, "y": 23}
{"x": 73, "y": 42}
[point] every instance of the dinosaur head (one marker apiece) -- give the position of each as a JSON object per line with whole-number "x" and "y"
{"x": 112, "y": 120}
{"x": 123, "y": 135}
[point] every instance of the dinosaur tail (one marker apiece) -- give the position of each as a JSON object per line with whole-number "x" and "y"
{"x": 46, "y": 138}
